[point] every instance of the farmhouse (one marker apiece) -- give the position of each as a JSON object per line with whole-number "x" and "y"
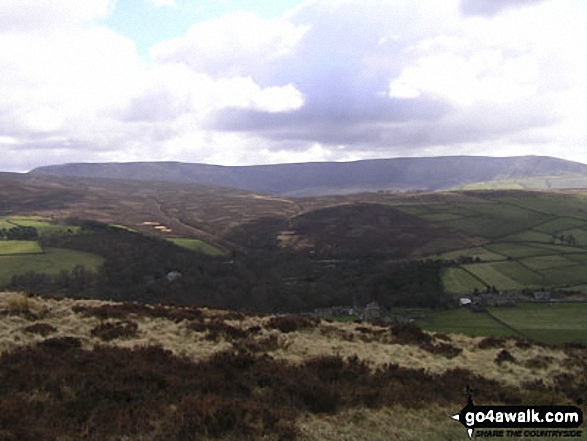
{"x": 371, "y": 312}
{"x": 334, "y": 311}
{"x": 541, "y": 296}
{"x": 495, "y": 299}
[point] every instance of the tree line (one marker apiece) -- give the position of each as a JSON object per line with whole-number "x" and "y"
{"x": 136, "y": 268}
{"x": 19, "y": 232}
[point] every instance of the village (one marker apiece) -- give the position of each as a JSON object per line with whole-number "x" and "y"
{"x": 475, "y": 301}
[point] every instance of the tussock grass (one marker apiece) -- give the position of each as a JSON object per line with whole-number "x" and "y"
{"x": 328, "y": 370}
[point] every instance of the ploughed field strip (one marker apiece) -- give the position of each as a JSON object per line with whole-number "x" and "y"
{"x": 88, "y": 369}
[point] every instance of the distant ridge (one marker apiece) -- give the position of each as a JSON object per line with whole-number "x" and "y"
{"x": 324, "y": 178}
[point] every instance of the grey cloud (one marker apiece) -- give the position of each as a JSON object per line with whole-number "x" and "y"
{"x": 344, "y": 100}
{"x": 155, "y": 106}
{"x": 343, "y": 70}
{"x": 332, "y": 121}
{"x": 490, "y": 8}
{"x": 411, "y": 125}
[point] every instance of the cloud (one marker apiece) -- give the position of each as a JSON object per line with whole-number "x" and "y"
{"x": 163, "y": 3}
{"x": 380, "y": 77}
{"x": 330, "y": 80}
{"x": 492, "y": 7}
{"x": 233, "y": 45}
{"x": 31, "y": 15}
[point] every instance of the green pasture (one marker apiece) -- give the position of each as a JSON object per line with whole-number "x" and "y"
{"x": 123, "y": 227}
{"x": 539, "y": 263}
{"x": 519, "y": 273}
{"x": 481, "y": 252}
{"x": 549, "y": 203}
{"x": 579, "y": 234}
{"x": 463, "y": 321}
{"x": 516, "y": 250}
{"x": 12, "y": 247}
{"x": 494, "y": 276}
{"x": 440, "y": 217}
{"x": 42, "y": 224}
{"x": 567, "y": 276}
{"x": 559, "y": 225}
{"x": 549, "y": 323}
{"x": 197, "y": 245}
{"x": 512, "y": 275}
{"x": 529, "y": 236}
{"x": 51, "y": 262}
{"x": 458, "y": 281}
{"x": 5, "y": 224}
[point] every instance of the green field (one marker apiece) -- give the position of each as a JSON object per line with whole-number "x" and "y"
{"x": 463, "y": 321}
{"x": 522, "y": 231}
{"x": 547, "y": 323}
{"x": 197, "y": 245}
{"x": 42, "y": 224}
{"x": 458, "y": 280}
{"x": 482, "y": 253}
{"x": 12, "y": 247}
{"x": 51, "y": 262}
{"x": 493, "y": 275}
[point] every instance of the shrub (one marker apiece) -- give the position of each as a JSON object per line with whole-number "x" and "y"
{"x": 491, "y": 343}
{"x": 60, "y": 343}
{"x": 149, "y": 393}
{"x": 43, "y": 329}
{"x": 445, "y": 349}
{"x": 539, "y": 362}
{"x": 409, "y": 333}
{"x": 504, "y": 356}
{"x": 111, "y": 330}
{"x": 123, "y": 310}
{"x": 288, "y": 324}
{"x": 20, "y": 304}
{"x": 216, "y": 329}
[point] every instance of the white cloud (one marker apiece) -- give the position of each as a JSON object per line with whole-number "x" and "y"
{"x": 329, "y": 80}
{"x": 38, "y": 16}
{"x": 232, "y": 45}
{"x": 163, "y": 3}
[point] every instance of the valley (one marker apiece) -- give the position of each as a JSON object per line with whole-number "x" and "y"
{"x": 177, "y": 310}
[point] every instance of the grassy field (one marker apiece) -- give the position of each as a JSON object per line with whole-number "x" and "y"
{"x": 463, "y": 321}
{"x": 51, "y": 262}
{"x": 546, "y": 323}
{"x": 457, "y": 280}
{"x": 197, "y": 245}
{"x": 12, "y": 247}
{"x": 42, "y": 224}
{"x": 523, "y": 231}
{"x": 549, "y": 323}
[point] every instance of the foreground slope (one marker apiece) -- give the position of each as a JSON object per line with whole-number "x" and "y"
{"x": 323, "y": 178}
{"x": 84, "y": 369}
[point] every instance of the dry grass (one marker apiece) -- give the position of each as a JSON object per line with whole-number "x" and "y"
{"x": 176, "y": 329}
{"x": 200, "y": 334}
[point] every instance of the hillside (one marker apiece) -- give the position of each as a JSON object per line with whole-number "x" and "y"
{"x": 512, "y": 240}
{"x": 86, "y": 369}
{"x": 323, "y": 178}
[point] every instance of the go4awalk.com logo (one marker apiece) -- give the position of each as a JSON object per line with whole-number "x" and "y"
{"x": 531, "y": 421}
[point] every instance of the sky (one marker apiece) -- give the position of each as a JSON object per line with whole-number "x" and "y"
{"x": 241, "y": 82}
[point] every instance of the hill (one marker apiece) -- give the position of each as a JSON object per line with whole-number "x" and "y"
{"x": 86, "y": 369}
{"x": 512, "y": 240}
{"x": 323, "y": 178}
